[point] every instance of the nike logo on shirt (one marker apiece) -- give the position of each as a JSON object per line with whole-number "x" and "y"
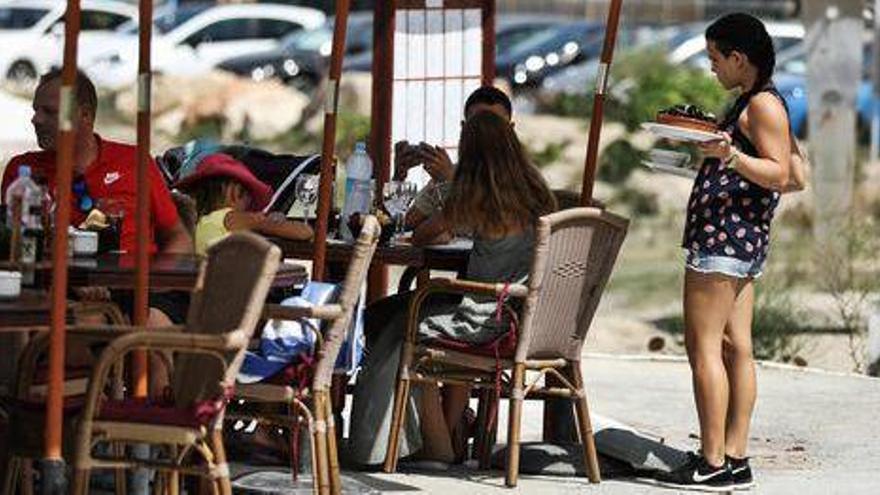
{"x": 110, "y": 178}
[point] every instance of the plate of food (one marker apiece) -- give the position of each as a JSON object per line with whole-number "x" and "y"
{"x": 684, "y": 123}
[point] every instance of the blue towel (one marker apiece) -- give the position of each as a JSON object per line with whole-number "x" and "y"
{"x": 283, "y": 341}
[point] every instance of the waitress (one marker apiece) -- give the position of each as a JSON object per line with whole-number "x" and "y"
{"x": 727, "y": 238}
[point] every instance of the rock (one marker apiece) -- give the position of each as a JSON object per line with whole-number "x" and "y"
{"x": 243, "y": 106}
{"x": 255, "y": 111}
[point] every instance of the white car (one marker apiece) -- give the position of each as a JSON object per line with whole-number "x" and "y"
{"x": 32, "y": 33}
{"x": 193, "y": 39}
{"x": 693, "y": 51}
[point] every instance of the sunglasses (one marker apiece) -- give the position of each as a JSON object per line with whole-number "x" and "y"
{"x": 84, "y": 201}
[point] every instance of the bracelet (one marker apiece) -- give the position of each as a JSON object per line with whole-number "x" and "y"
{"x": 730, "y": 161}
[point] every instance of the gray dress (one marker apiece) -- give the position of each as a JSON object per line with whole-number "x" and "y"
{"x": 471, "y": 320}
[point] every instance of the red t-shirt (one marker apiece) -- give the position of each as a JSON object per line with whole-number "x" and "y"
{"x": 112, "y": 175}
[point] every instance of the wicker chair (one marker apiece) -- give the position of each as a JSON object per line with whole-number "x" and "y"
{"x": 575, "y": 252}
{"x": 325, "y": 463}
{"x": 226, "y": 305}
{"x": 27, "y": 406}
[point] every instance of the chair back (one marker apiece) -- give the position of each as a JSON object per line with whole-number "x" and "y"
{"x": 575, "y": 251}
{"x": 358, "y": 267}
{"x": 228, "y": 299}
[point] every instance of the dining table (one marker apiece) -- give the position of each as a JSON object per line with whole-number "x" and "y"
{"x": 30, "y": 310}
{"x": 452, "y": 256}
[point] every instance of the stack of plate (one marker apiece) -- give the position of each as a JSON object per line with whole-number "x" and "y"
{"x": 672, "y": 162}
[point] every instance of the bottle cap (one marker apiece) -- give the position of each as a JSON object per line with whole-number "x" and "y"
{"x": 360, "y": 147}
{"x": 24, "y": 171}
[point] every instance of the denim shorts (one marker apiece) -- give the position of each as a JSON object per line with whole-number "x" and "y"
{"x": 725, "y": 265}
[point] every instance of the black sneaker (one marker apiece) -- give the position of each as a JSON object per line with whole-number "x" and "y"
{"x": 697, "y": 474}
{"x": 742, "y": 473}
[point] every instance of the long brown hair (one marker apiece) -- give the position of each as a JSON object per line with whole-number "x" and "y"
{"x": 496, "y": 188}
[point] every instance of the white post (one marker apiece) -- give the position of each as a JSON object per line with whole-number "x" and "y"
{"x": 834, "y": 60}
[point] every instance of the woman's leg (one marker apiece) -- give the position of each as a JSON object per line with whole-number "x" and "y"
{"x": 740, "y": 368}
{"x": 708, "y": 301}
{"x": 455, "y": 401}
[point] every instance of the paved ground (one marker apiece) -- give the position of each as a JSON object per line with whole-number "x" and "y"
{"x": 814, "y": 432}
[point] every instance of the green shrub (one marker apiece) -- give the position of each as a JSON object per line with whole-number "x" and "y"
{"x": 551, "y": 153}
{"x": 643, "y": 82}
{"x": 639, "y": 203}
{"x": 618, "y": 160}
{"x": 646, "y": 82}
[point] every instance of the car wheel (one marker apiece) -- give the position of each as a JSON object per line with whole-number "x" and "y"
{"x": 22, "y": 75}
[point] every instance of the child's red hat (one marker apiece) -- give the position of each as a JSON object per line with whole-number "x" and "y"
{"x": 222, "y": 165}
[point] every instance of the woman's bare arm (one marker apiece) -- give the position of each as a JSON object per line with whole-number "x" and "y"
{"x": 434, "y": 230}
{"x": 768, "y": 130}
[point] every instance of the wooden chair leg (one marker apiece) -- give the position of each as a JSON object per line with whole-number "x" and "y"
{"x": 224, "y": 485}
{"x": 173, "y": 477}
{"x": 487, "y": 419}
{"x": 80, "y": 482}
{"x": 322, "y": 475}
{"x": 11, "y": 476}
{"x": 591, "y": 458}
{"x": 398, "y": 418}
{"x": 27, "y": 477}
{"x": 332, "y": 452}
{"x": 514, "y": 424}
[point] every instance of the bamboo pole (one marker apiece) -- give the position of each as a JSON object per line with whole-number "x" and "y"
{"x": 599, "y": 102}
{"x": 331, "y": 106}
{"x": 52, "y": 467}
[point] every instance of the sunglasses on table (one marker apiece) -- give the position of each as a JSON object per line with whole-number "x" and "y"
{"x": 84, "y": 201}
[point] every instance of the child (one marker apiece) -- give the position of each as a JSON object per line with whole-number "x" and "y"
{"x": 228, "y": 198}
{"x": 497, "y": 195}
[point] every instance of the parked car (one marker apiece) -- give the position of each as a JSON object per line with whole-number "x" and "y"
{"x": 32, "y": 33}
{"x": 525, "y": 63}
{"x": 693, "y": 50}
{"x": 577, "y": 79}
{"x": 303, "y": 57}
{"x": 195, "y": 38}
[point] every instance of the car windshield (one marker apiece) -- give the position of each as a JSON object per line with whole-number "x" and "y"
{"x": 167, "y": 20}
{"x": 20, "y": 17}
{"x": 311, "y": 40}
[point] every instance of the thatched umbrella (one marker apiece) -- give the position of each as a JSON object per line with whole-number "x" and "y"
{"x": 599, "y": 102}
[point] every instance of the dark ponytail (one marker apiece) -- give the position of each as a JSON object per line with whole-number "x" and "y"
{"x": 745, "y": 34}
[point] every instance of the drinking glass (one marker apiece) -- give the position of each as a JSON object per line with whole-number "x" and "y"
{"x": 397, "y": 197}
{"x": 306, "y": 190}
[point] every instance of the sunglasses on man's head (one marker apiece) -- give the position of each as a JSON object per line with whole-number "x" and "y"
{"x": 84, "y": 201}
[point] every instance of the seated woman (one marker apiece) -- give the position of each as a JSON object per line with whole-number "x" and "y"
{"x": 498, "y": 195}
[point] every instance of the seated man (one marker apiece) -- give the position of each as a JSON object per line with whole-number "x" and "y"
{"x": 104, "y": 169}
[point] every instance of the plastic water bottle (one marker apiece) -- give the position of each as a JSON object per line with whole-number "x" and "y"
{"x": 358, "y": 187}
{"x": 24, "y": 199}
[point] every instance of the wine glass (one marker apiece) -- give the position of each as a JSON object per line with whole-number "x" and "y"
{"x": 306, "y": 190}
{"x": 397, "y": 197}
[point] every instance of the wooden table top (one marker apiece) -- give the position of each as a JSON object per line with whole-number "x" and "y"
{"x": 167, "y": 271}
{"x": 452, "y": 257}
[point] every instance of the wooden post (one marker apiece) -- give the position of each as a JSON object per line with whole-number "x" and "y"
{"x": 331, "y": 106}
{"x": 834, "y": 61}
{"x": 52, "y": 468}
